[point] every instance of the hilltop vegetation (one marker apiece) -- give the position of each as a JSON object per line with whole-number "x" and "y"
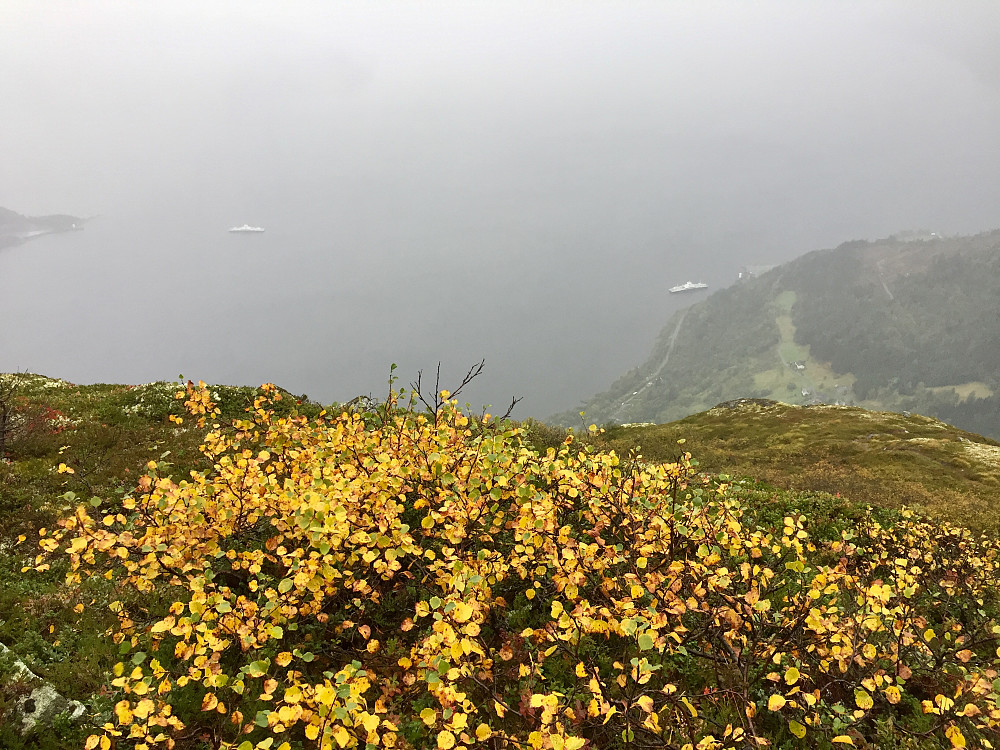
{"x": 408, "y": 576}
{"x": 871, "y": 458}
{"x": 900, "y": 324}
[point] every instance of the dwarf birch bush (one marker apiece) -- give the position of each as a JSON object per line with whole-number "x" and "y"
{"x": 401, "y": 579}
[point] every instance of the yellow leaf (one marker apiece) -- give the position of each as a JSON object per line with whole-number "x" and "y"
{"x": 462, "y": 612}
{"x": 892, "y": 694}
{"x": 792, "y": 676}
{"x": 775, "y": 703}
{"x": 954, "y": 734}
{"x": 123, "y": 712}
{"x": 863, "y": 699}
{"x": 341, "y": 736}
{"x": 445, "y": 740}
{"x": 844, "y": 738}
{"x": 312, "y": 732}
{"x": 690, "y": 707}
{"x": 483, "y": 732}
{"x": 369, "y": 722}
{"x": 144, "y": 709}
{"x": 645, "y": 703}
{"x": 92, "y": 741}
{"x": 797, "y": 729}
{"x": 428, "y": 716}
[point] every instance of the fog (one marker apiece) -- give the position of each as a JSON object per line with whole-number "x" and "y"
{"x": 447, "y": 182}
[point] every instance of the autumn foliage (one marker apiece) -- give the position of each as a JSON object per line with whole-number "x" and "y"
{"x": 408, "y": 579}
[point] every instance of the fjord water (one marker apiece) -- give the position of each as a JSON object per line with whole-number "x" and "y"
{"x": 322, "y": 303}
{"x": 447, "y": 182}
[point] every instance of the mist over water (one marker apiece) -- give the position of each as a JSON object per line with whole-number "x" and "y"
{"x": 453, "y": 182}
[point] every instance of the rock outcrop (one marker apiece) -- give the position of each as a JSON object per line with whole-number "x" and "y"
{"x": 40, "y": 702}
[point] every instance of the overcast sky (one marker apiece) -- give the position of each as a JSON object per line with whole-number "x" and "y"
{"x": 796, "y": 101}
{"x": 679, "y": 139}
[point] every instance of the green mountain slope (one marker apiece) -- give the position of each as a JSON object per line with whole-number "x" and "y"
{"x": 899, "y": 324}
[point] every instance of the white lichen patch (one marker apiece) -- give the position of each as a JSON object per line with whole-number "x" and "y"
{"x": 152, "y": 398}
{"x": 983, "y": 454}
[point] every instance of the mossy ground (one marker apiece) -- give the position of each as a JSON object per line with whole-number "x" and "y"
{"x": 106, "y": 434}
{"x": 825, "y": 461}
{"x": 870, "y": 458}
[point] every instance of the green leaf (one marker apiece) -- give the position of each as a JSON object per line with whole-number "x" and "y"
{"x": 645, "y": 642}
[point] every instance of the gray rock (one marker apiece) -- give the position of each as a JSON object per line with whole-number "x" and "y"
{"x": 43, "y": 703}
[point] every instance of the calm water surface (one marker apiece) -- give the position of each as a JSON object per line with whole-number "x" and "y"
{"x": 324, "y": 302}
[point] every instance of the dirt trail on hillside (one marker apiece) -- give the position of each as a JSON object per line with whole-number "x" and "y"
{"x": 652, "y": 378}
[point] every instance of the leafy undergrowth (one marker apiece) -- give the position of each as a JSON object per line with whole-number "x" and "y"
{"x": 872, "y": 458}
{"x": 401, "y": 579}
{"x": 105, "y": 434}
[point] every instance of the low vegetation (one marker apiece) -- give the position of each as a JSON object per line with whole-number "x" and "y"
{"x": 106, "y": 434}
{"x": 395, "y": 576}
{"x": 871, "y": 458}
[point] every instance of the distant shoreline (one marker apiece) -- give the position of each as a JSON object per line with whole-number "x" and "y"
{"x": 16, "y": 229}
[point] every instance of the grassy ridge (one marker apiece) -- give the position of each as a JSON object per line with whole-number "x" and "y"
{"x": 824, "y": 462}
{"x": 876, "y": 458}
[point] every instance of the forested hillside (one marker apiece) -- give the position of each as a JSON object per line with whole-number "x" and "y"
{"x": 898, "y": 324}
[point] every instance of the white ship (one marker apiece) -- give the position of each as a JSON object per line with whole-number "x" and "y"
{"x": 688, "y": 286}
{"x": 246, "y": 228}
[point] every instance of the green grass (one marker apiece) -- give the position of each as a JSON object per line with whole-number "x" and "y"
{"x": 870, "y": 458}
{"x": 965, "y": 391}
{"x": 785, "y": 300}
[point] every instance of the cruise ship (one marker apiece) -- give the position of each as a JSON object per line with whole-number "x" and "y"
{"x": 246, "y": 228}
{"x": 688, "y": 286}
